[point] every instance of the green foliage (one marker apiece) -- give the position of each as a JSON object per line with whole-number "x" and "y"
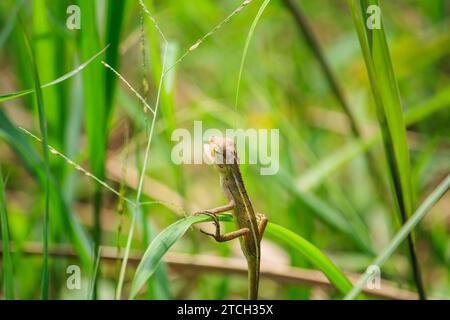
{"x": 167, "y": 238}
{"x": 352, "y": 124}
{"x": 8, "y": 275}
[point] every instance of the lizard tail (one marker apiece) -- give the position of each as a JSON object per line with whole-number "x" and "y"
{"x": 253, "y": 281}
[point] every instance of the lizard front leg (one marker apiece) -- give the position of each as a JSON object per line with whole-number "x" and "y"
{"x": 217, "y": 210}
{"x": 226, "y": 236}
{"x": 213, "y": 214}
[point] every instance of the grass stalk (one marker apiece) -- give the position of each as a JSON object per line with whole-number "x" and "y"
{"x": 45, "y": 149}
{"x": 391, "y": 120}
{"x": 402, "y": 234}
{"x": 8, "y": 275}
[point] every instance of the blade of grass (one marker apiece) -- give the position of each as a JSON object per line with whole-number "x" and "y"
{"x": 43, "y": 128}
{"x": 13, "y": 95}
{"x": 159, "y": 287}
{"x": 330, "y": 216}
{"x": 330, "y": 164}
{"x": 313, "y": 254}
{"x": 428, "y": 107}
{"x": 9, "y": 25}
{"x": 391, "y": 120}
{"x": 96, "y": 119}
{"x": 91, "y": 293}
{"x": 34, "y": 165}
{"x": 46, "y": 52}
{"x": 169, "y": 236}
{"x": 338, "y": 91}
{"x": 146, "y": 157}
{"x": 402, "y": 234}
{"x": 8, "y": 275}
{"x": 209, "y": 34}
{"x": 314, "y": 45}
{"x": 114, "y": 22}
{"x": 313, "y": 177}
{"x": 246, "y": 46}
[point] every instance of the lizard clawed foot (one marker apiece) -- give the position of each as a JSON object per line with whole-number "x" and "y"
{"x": 215, "y": 218}
{"x": 209, "y": 214}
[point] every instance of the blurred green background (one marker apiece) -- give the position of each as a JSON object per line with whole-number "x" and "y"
{"x": 334, "y": 187}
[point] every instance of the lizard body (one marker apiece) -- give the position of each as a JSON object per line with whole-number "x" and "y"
{"x": 222, "y": 152}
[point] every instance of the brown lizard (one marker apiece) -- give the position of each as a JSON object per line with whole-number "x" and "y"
{"x": 222, "y": 152}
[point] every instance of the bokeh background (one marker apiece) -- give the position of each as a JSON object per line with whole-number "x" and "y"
{"x": 304, "y": 74}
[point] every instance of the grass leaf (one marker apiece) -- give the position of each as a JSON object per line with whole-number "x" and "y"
{"x": 46, "y": 152}
{"x": 390, "y": 117}
{"x": 403, "y": 233}
{"x": 34, "y": 165}
{"x": 169, "y": 236}
{"x": 245, "y": 51}
{"x": 8, "y": 275}
{"x": 313, "y": 254}
{"x": 116, "y": 12}
{"x": 13, "y": 95}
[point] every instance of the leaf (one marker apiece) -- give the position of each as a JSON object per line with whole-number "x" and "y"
{"x": 8, "y": 275}
{"x": 169, "y": 236}
{"x": 158, "y": 248}
{"x": 34, "y": 165}
{"x": 314, "y": 176}
{"x": 330, "y": 216}
{"x": 46, "y": 152}
{"x": 47, "y": 50}
{"x": 13, "y": 95}
{"x": 247, "y": 44}
{"x": 96, "y": 113}
{"x": 314, "y": 255}
{"x": 114, "y": 23}
{"x": 93, "y": 280}
{"x": 403, "y": 233}
{"x": 390, "y": 117}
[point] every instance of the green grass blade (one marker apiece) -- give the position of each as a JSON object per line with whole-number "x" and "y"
{"x": 167, "y": 238}
{"x": 91, "y": 293}
{"x": 114, "y": 22}
{"x": 313, "y": 43}
{"x": 46, "y": 52}
{"x": 14, "y": 95}
{"x": 403, "y": 233}
{"x": 327, "y": 214}
{"x": 316, "y": 174}
{"x": 313, "y": 254}
{"x": 245, "y": 51}
{"x": 158, "y": 248}
{"x": 430, "y": 106}
{"x": 8, "y": 275}
{"x": 43, "y": 128}
{"x": 95, "y": 108}
{"x": 159, "y": 285}
{"x": 391, "y": 119}
{"x": 34, "y": 165}
{"x": 9, "y": 25}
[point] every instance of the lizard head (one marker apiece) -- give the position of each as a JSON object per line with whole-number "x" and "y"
{"x": 221, "y": 151}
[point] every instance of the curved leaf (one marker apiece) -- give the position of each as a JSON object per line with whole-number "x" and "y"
{"x": 13, "y": 95}
{"x": 402, "y": 234}
{"x": 159, "y": 247}
{"x": 167, "y": 238}
{"x": 313, "y": 254}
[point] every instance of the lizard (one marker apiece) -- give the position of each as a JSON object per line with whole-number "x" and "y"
{"x": 222, "y": 153}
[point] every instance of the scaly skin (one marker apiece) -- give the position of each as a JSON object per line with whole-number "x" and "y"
{"x": 222, "y": 152}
